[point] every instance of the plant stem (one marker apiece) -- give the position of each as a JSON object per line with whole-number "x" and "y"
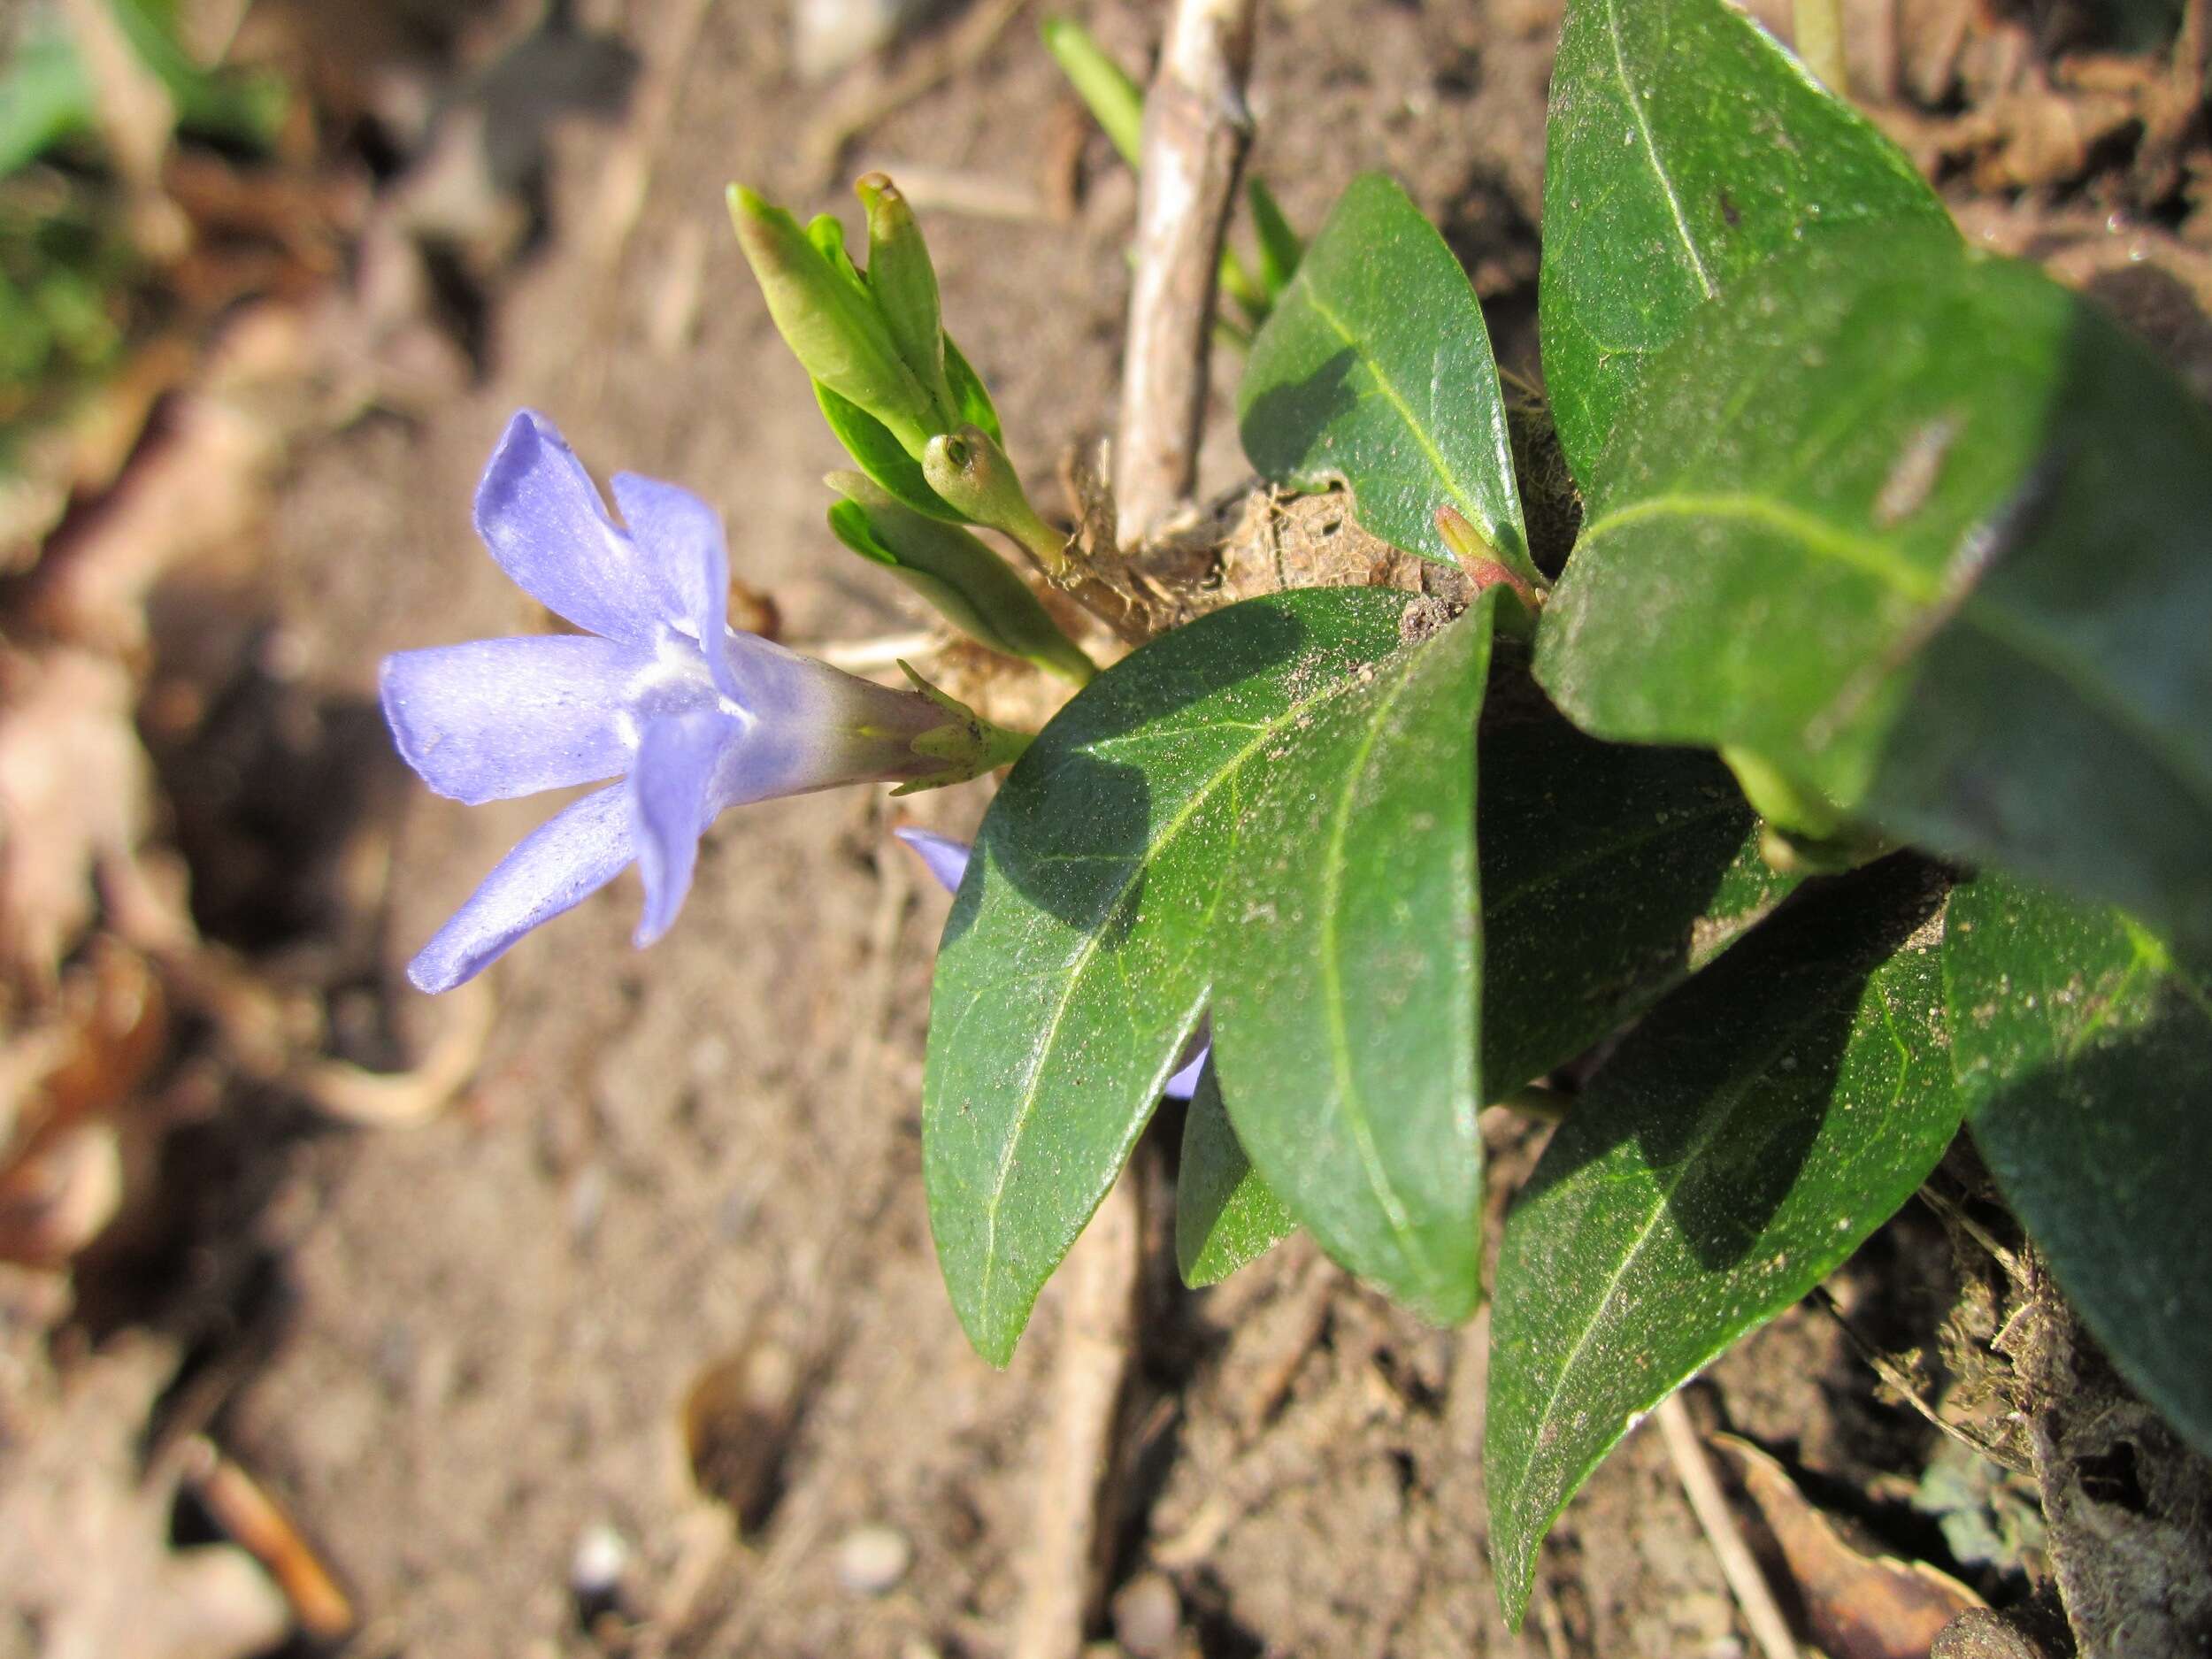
{"x": 1195, "y": 133}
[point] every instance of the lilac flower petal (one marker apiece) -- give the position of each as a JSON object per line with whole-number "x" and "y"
{"x": 540, "y": 516}
{"x": 1184, "y": 1084}
{"x": 495, "y": 719}
{"x": 941, "y": 855}
{"x": 670, "y": 805}
{"x": 555, "y": 868}
{"x": 682, "y": 538}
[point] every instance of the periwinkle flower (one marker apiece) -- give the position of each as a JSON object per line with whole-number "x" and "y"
{"x": 946, "y": 860}
{"x": 659, "y": 693}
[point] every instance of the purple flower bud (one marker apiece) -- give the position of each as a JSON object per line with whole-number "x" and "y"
{"x": 946, "y": 860}
{"x": 660, "y": 694}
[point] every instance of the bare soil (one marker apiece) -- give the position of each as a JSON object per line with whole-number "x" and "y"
{"x": 462, "y": 1350}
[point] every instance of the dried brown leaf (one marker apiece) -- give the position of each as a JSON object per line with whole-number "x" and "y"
{"x": 74, "y": 791}
{"x": 1856, "y": 1605}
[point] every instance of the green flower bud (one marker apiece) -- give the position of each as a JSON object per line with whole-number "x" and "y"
{"x": 975, "y": 479}
{"x": 905, "y": 286}
{"x": 970, "y": 585}
{"x": 832, "y": 323}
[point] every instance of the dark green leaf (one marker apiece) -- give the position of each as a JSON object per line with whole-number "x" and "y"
{"x": 1684, "y": 148}
{"x": 1346, "y": 987}
{"x": 2084, "y": 1052}
{"x": 1757, "y": 1126}
{"x": 1925, "y": 533}
{"x": 1375, "y": 368}
{"x": 1077, "y": 957}
{"x": 1611, "y": 872}
{"x": 1224, "y": 1214}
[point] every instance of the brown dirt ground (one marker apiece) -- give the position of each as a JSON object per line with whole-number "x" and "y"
{"x": 487, "y": 1325}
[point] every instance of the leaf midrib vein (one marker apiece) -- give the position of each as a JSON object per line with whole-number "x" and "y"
{"x": 1332, "y": 870}
{"x": 1459, "y": 492}
{"x": 1651, "y": 149}
{"x": 1664, "y": 1191}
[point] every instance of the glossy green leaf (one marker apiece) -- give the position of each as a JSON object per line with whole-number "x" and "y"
{"x": 1684, "y": 147}
{"x": 1758, "y": 1124}
{"x": 1611, "y": 872}
{"x": 1926, "y": 534}
{"x": 1346, "y": 990}
{"x": 1077, "y": 957}
{"x": 1375, "y": 368}
{"x": 2084, "y": 1052}
{"x": 1225, "y": 1215}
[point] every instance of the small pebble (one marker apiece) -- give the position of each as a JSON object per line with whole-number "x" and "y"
{"x": 828, "y": 34}
{"x": 871, "y": 1559}
{"x": 1149, "y": 1615}
{"x": 596, "y": 1569}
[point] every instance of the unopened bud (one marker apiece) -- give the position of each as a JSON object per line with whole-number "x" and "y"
{"x": 976, "y": 479}
{"x": 832, "y": 323}
{"x": 905, "y": 286}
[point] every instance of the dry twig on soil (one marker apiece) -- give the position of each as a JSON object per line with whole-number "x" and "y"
{"x": 1196, "y": 129}
{"x": 1195, "y": 133}
{"x": 1695, "y": 1470}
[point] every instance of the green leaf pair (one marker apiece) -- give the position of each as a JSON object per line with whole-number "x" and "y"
{"x": 1274, "y": 812}
{"x": 873, "y": 343}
